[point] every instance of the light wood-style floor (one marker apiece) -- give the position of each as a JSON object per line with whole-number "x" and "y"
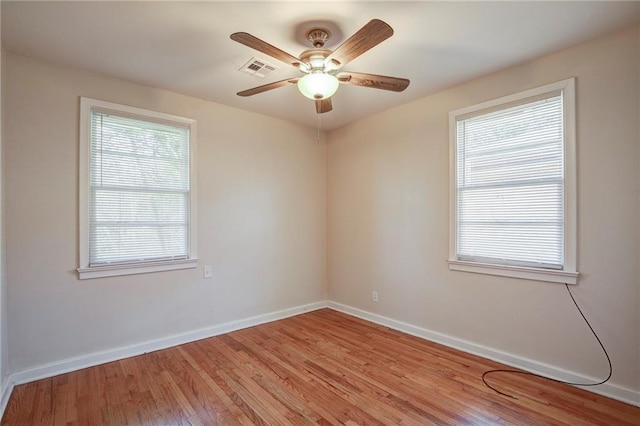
{"x": 323, "y": 367}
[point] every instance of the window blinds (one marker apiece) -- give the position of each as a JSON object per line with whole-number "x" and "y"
{"x": 509, "y": 170}
{"x": 139, "y": 190}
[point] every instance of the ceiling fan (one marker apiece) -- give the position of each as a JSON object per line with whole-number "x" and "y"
{"x": 321, "y": 66}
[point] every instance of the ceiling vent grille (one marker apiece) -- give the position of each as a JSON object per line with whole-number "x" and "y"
{"x": 258, "y": 67}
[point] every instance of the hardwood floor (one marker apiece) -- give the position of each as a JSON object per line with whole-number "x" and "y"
{"x": 323, "y": 367}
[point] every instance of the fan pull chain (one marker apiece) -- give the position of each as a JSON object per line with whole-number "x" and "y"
{"x": 319, "y": 121}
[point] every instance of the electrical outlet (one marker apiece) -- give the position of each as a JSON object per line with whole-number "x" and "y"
{"x": 374, "y": 296}
{"x": 207, "y": 271}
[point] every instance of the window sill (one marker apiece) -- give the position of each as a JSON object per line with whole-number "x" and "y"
{"x": 136, "y": 268}
{"x": 550, "y": 275}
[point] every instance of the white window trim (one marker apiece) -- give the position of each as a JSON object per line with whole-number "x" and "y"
{"x": 85, "y": 271}
{"x": 569, "y": 273}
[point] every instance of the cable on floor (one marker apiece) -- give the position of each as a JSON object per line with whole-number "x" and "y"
{"x": 548, "y": 378}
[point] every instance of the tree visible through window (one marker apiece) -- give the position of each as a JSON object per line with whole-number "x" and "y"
{"x": 139, "y": 194}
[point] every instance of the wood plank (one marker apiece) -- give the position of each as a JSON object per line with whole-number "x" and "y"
{"x": 323, "y": 367}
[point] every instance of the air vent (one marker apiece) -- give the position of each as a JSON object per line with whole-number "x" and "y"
{"x": 258, "y": 67}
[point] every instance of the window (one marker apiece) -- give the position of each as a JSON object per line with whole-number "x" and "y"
{"x": 513, "y": 186}
{"x": 137, "y": 195}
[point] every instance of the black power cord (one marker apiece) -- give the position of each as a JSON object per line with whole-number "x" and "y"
{"x": 548, "y": 378}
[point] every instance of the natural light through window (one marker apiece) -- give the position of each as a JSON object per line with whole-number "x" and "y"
{"x": 513, "y": 186}
{"x": 137, "y": 195}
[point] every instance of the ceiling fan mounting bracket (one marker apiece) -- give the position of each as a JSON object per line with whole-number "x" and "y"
{"x": 318, "y": 36}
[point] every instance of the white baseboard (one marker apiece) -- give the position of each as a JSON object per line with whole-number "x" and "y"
{"x": 89, "y": 360}
{"x": 97, "y": 358}
{"x": 5, "y": 392}
{"x": 610, "y": 390}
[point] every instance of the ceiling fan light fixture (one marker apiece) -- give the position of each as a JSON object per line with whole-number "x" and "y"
{"x": 318, "y": 86}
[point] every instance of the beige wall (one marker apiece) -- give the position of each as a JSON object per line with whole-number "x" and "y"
{"x": 388, "y": 218}
{"x": 261, "y": 221}
{"x": 4, "y": 353}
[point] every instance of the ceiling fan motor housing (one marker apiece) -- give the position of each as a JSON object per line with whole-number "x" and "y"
{"x": 314, "y": 60}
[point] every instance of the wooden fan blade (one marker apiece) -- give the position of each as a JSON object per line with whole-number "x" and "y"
{"x": 372, "y": 34}
{"x": 324, "y": 105}
{"x": 266, "y": 48}
{"x": 374, "y": 81}
{"x": 270, "y": 86}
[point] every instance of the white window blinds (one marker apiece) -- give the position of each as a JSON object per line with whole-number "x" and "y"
{"x": 509, "y": 185}
{"x": 139, "y": 190}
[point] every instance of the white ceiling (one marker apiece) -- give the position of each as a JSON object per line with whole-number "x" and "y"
{"x": 185, "y": 46}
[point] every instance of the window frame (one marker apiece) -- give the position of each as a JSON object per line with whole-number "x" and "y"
{"x": 568, "y": 274}
{"x": 85, "y": 271}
